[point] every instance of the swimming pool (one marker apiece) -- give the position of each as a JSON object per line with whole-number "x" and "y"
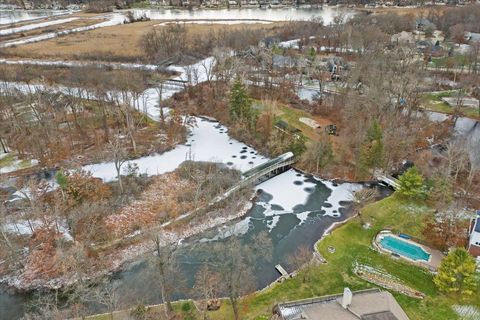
{"x": 404, "y": 248}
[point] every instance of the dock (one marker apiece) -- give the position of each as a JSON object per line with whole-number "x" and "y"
{"x": 282, "y": 271}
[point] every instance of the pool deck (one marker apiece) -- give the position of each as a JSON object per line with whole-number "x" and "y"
{"x": 435, "y": 256}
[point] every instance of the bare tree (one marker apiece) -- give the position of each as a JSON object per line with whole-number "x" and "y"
{"x": 302, "y": 260}
{"x": 235, "y": 264}
{"x": 207, "y": 286}
{"x": 119, "y": 155}
{"x": 166, "y": 268}
{"x": 107, "y": 295}
{"x": 363, "y": 197}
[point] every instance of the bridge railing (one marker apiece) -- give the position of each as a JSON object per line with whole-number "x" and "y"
{"x": 280, "y": 159}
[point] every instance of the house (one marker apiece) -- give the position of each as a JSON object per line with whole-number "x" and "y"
{"x": 472, "y": 37}
{"x": 437, "y": 51}
{"x": 474, "y": 241}
{"x": 424, "y": 44}
{"x": 371, "y": 304}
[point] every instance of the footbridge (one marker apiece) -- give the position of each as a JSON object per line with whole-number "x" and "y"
{"x": 263, "y": 171}
{"x": 269, "y": 168}
{"x": 387, "y": 180}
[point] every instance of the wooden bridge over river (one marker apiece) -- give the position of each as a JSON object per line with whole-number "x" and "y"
{"x": 262, "y": 172}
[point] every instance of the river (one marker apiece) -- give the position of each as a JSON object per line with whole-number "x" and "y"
{"x": 292, "y": 208}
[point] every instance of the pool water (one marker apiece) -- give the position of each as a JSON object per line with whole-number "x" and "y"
{"x": 404, "y": 248}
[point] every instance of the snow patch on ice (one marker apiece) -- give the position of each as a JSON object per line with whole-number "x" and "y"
{"x": 206, "y": 143}
{"x": 284, "y": 192}
{"x": 341, "y": 192}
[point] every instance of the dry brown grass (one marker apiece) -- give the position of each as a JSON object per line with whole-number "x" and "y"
{"x": 116, "y": 43}
{"x": 112, "y": 43}
{"x": 406, "y": 11}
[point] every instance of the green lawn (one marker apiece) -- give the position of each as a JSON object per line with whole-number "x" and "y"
{"x": 433, "y": 101}
{"x": 457, "y": 60}
{"x": 291, "y": 116}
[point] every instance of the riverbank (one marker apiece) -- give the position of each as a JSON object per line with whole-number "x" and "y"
{"x": 134, "y": 245}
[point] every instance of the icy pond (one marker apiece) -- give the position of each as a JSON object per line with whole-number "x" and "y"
{"x": 16, "y": 15}
{"x": 247, "y": 14}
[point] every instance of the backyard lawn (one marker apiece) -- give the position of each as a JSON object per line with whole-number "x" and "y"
{"x": 433, "y": 101}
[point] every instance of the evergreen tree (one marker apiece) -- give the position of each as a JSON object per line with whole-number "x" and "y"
{"x": 412, "y": 184}
{"x": 241, "y": 104}
{"x": 371, "y": 151}
{"x": 297, "y": 145}
{"x": 457, "y": 273}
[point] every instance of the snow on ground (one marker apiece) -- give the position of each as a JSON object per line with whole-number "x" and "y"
{"x": 193, "y": 74}
{"x": 196, "y": 73}
{"x": 148, "y": 101}
{"x": 34, "y": 26}
{"x": 208, "y": 141}
{"x": 13, "y": 163}
{"x": 63, "y": 63}
{"x": 20, "y": 227}
{"x": 309, "y": 122}
{"x": 233, "y": 21}
{"x": 112, "y": 20}
{"x": 294, "y": 44}
{"x": 24, "y": 227}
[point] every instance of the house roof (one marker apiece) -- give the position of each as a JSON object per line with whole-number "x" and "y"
{"x": 475, "y": 235}
{"x": 472, "y": 36}
{"x": 372, "y": 304}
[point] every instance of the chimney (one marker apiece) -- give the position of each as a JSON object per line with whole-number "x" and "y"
{"x": 347, "y": 298}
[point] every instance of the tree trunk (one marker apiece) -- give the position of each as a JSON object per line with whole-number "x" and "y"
{"x": 5, "y": 149}
{"x": 233, "y": 301}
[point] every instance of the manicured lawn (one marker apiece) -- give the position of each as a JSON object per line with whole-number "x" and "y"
{"x": 353, "y": 244}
